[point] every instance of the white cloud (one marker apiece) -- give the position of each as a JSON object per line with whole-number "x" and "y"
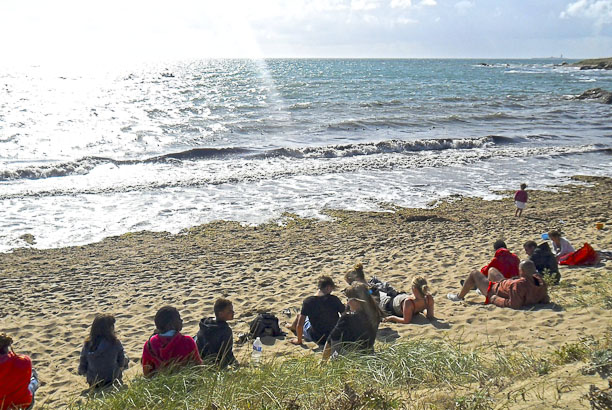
{"x": 464, "y": 5}
{"x": 406, "y": 20}
{"x": 406, "y": 4}
{"x": 361, "y": 5}
{"x": 599, "y": 10}
{"x": 401, "y": 4}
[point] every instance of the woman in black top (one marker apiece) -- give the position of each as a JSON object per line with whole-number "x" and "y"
{"x": 355, "y": 330}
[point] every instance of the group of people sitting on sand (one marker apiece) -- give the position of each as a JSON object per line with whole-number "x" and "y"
{"x": 103, "y": 359}
{"x": 505, "y": 282}
{"x": 324, "y": 319}
{"x": 337, "y": 327}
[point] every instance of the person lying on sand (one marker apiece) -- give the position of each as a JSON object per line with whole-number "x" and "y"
{"x": 102, "y": 358}
{"x": 543, "y": 258}
{"x": 18, "y": 381}
{"x": 215, "y": 339}
{"x": 167, "y": 346}
{"x": 504, "y": 261}
{"x": 528, "y": 289}
{"x": 319, "y": 314}
{"x": 404, "y": 306}
{"x": 356, "y": 329}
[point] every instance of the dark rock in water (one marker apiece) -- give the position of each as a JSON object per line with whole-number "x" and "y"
{"x": 596, "y": 94}
{"x": 28, "y": 238}
{"x": 484, "y": 64}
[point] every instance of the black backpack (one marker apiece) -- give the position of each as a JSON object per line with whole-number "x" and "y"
{"x": 265, "y": 324}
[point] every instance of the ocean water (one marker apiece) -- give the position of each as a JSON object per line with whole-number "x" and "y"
{"x": 88, "y": 154}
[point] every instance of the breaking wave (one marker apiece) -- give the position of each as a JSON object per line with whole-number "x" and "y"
{"x": 85, "y": 165}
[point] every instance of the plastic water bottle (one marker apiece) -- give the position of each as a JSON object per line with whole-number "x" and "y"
{"x": 257, "y": 352}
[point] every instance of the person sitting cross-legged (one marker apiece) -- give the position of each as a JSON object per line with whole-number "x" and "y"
{"x": 319, "y": 314}
{"x": 528, "y": 289}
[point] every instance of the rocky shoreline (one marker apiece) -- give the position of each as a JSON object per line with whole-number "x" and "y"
{"x": 594, "y": 64}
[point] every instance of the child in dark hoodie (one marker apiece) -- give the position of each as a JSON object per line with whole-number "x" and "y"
{"x": 102, "y": 358}
{"x": 168, "y": 346}
{"x": 215, "y": 339}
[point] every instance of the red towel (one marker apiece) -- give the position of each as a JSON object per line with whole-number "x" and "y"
{"x": 583, "y": 256}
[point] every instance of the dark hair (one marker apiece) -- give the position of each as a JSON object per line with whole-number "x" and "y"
{"x": 168, "y": 318}
{"x": 530, "y": 244}
{"x": 5, "y": 342}
{"x": 499, "y": 244}
{"x": 221, "y": 304}
{"x": 554, "y": 233}
{"x": 355, "y": 274}
{"x": 523, "y": 186}
{"x": 101, "y": 328}
{"x": 325, "y": 281}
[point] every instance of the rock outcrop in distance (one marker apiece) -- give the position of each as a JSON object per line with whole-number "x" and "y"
{"x": 595, "y": 64}
{"x": 598, "y": 94}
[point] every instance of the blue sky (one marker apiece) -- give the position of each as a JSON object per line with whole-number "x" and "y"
{"x": 37, "y": 31}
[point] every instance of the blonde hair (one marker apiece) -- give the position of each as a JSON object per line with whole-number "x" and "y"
{"x": 370, "y": 307}
{"x": 355, "y": 274}
{"x": 420, "y": 284}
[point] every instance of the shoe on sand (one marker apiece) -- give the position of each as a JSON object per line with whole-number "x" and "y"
{"x": 453, "y": 297}
{"x": 479, "y": 292}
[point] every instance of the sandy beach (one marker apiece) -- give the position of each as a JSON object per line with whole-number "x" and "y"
{"x": 49, "y": 297}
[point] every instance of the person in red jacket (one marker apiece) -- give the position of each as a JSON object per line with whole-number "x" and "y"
{"x": 528, "y": 289}
{"x": 18, "y": 382}
{"x": 504, "y": 263}
{"x": 168, "y": 347}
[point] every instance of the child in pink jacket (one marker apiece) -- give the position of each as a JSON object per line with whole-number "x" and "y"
{"x": 520, "y": 199}
{"x": 168, "y": 347}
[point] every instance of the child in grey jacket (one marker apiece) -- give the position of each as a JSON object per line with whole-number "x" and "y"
{"x": 102, "y": 358}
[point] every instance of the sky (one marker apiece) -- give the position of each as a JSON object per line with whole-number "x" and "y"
{"x": 37, "y": 31}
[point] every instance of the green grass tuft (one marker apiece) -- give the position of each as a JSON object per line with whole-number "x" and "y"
{"x": 434, "y": 373}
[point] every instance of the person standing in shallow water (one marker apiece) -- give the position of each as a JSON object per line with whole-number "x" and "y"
{"x": 520, "y": 199}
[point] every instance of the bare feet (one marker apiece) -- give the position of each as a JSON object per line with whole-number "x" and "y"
{"x": 296, "y": 342}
